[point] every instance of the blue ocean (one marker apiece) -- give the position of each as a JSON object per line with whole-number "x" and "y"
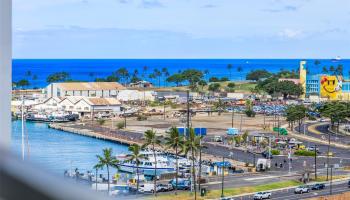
{"x": 56, "y": 151}
{"x": 90, "y": 69}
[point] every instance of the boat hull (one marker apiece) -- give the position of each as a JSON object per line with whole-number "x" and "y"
{"x": 146, "y": 170}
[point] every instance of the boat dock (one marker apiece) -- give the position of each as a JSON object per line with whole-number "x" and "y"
{"x": 124, "y": 137}
{"x": 118, "y": 136}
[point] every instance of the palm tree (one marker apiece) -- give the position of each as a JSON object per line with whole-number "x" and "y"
{"x": 239, "y": 70}
{"x": 158, "y": 74}
{"x": 152, "y": 140}
{"x": 136, "y": 156}
{"x": 107, "y": 160}
{"x": 324, "y": 70}
{"x": 229, "y": 67}
{"x": 176, "y": 142}
{"x": 97, "y": 167}
{"x": 144, "y": 71}
{"x": 206, "y": 72}
{"x": 165, "y": 74}
{"x": 339, "y": 70}
{"x": 193, "y": 144}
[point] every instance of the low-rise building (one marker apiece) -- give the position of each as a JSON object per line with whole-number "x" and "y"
{"x": 83, "y": 106}
{"x": 84, "y": 89}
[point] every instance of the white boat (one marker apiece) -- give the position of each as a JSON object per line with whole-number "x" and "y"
{"x": 147, "y": 165}
{"x": 338, "y": 58}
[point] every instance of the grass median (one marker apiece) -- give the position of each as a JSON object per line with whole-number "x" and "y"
{"x": 212, "y": 194}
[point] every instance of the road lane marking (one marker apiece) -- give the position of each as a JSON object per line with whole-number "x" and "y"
{"x": 259, "y": 178}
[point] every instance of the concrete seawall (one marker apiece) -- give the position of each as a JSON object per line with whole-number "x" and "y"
{"x": 90, "y": 133}
{"x": 121, "y": 137}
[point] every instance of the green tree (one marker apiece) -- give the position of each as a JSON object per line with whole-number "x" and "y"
{"x": 240, "y": 70}
{"x": 214, "y": 87}
{"x": 324, "y": 70}
{"x": 229, "y": 67}
{"x": 23, "y": 83}
{"x": 317, "y": 62}
{"x": 107, "y": 160}
{"x": 101, "y": 122}
{"x": 193, "y": 76}
{"x": 157, "y": 74}
{"x": 58, "y": 77}
{"x": 336, "y": 111}
{"x": 339, "y": 70}
{"x": 175, "y": 78}
{"x": 214, "y": 79}
{"x": 136, "y": 157}
{"x": 152, "y": 140}
{"x": 192, "y": 144}
{"x": 97, "y": 167}
{"x": 206, "y": 73}
{"x": 296, "y": 113}
{"x": 123, "y": 74}
{"x": 176, "y": 142}
{"x": 257, "y": 75}
{"x": 219, "y": 106}
{"x": 202, "y": 83}
{"x": 144, "y": 71}
{"x": 231, "y": 87}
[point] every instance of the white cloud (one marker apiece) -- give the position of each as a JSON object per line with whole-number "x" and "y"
{"x": 291, "y": 33}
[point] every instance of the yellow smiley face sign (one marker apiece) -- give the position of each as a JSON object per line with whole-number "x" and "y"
{"x": 330, "y": 87}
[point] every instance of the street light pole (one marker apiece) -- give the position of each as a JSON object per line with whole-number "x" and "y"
{"x": 233, "y": 114}
{"x": 315, "y": 162}
{"x": 329, "y": 144}
{"x": 330, "y": 183}
{"x": 223, "y": 176}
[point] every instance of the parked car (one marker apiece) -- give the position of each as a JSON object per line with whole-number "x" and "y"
{"x": 262, "y": 195}
{"x": 164, "y": 187}
{"x": 302, "y": 189}
{"x": 318, "y": 186}
{"x": 183, "y": 184}
{"x": 313, "y": 149}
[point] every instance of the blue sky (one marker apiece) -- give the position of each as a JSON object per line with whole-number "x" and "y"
{"x": 181, "y": 28}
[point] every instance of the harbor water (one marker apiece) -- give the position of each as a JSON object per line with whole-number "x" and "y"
{"x": 56, "y": 151}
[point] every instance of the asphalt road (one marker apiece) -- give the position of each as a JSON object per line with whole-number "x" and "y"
{"x": 337, "y": 188}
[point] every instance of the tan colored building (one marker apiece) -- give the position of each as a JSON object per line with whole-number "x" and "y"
{"x": 84, "y": 89}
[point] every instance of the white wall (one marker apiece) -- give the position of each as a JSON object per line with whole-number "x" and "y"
{"x": 5, "y": 72}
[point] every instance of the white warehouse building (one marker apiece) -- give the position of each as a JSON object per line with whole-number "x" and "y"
{"x": 84, "y": 89}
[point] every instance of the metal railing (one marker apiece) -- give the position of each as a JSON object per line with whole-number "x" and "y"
{"x": 23, "y": 180}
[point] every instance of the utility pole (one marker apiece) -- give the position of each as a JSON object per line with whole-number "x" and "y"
{"x": 22, "y": 118}
{"x": 233, "y": 115}
{"x": 222, "y": 176}
{"x": 188, "y": 113}
{"x": 124, "y": 119}
{"x": 329, "y": 144}
{"x": 330, "y": 183}
{"x": 278, "y": 124}
{"x": 240, "y": 126}
{"x": 164, "y": 109}
{"x": 315, "y": 162}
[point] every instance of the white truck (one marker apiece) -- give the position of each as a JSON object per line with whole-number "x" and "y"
{"x": 263, "y": 164}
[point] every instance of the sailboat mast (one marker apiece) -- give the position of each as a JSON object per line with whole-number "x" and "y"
{"x": 22, "y": 109}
